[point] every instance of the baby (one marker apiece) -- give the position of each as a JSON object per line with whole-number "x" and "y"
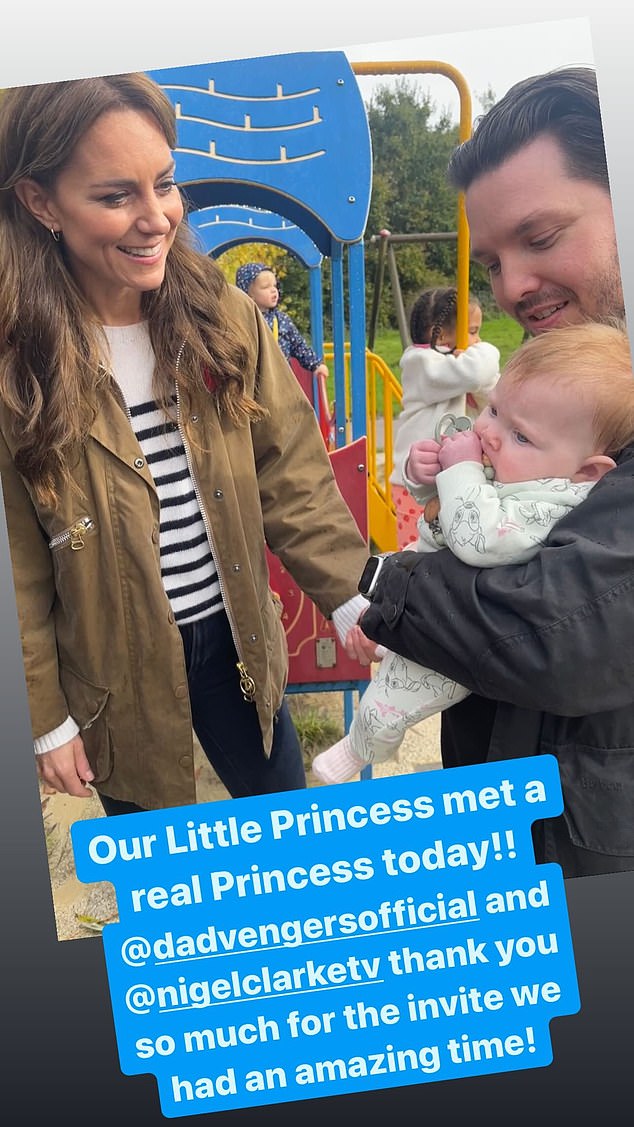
{"x": 561, "y": 411}
{"x": 258, "y": 281}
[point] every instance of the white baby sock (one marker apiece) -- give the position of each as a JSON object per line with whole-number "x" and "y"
{"x": 338, "y": 763}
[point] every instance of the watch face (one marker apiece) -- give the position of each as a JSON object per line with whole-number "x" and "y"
{"x": 367, "y": 575}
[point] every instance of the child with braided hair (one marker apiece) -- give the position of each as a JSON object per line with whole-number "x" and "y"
{"x": 562, "y": 410}
{"x": 437, "y": 380}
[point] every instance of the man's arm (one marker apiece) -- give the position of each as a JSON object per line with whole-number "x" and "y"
{"x": 554, "y": 634}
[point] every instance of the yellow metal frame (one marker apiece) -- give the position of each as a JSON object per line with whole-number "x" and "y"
{"x": 464, "y": 132}
{"x": 381, "y": 511}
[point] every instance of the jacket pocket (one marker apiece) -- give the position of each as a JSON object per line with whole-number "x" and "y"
{"x": 276, "y": 648}
{"x": 277, "y": 604}
{"x": 598, "y": 789}
{"x": 74, "y": 536}
{"x": 88, "y": 705}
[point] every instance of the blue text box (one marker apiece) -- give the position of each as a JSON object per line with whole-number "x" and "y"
{"x": 335, "y": 940}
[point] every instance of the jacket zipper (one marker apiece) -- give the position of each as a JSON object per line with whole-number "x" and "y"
{"x": 73, "y": 535}
{"x": 247, "y": 684}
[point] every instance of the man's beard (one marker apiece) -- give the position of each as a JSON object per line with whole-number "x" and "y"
{"x": 609, "y": 303}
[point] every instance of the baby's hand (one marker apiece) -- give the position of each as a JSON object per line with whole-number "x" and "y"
{"x": 422, "y": 462}
{"x": 465, "y": 446}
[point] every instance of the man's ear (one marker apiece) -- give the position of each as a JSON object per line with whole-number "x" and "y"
{"x": 594, "y": 468}
{"x": 37, "y": 200}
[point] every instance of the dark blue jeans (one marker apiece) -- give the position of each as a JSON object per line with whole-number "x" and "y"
{"x": 226, "y": 724}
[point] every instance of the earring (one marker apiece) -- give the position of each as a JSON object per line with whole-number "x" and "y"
{"x": 56, "y": 234}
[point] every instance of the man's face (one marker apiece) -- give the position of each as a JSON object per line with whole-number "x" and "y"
{"x": 547, "y": 240}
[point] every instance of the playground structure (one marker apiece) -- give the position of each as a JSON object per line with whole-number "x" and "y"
{"x": 277, "y": 150}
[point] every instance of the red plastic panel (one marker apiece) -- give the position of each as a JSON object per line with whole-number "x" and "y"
{"x": 312, "y": 642}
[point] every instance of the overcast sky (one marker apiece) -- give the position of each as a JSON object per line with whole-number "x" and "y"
{"x": 495, "y": 58}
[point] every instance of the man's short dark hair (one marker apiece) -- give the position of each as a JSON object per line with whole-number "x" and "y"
{"x": 562, "y": 103}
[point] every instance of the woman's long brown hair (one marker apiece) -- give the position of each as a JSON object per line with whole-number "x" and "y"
{"x": 52, "y": 347}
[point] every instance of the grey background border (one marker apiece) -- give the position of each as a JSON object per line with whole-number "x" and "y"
{"x": 59, "y": 1056}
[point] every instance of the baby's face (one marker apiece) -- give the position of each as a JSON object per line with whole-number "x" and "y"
{"x": 264, "y": 291}
{"x": 535, "y": 430}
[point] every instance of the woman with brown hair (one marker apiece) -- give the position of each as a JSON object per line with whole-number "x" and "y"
{"x": 152, "y": 442}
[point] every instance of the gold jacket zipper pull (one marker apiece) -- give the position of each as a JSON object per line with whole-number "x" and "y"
{"x": 78, "y": 531}
{"x": 73, "y": 535}
{"x": 247, "y": 684}
{"x": 76, "y": 536}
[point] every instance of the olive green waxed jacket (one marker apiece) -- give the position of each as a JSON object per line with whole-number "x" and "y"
{"x": 99, "y": 638}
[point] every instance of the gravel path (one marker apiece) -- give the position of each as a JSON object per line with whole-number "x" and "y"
{"x": 81, "y": 910}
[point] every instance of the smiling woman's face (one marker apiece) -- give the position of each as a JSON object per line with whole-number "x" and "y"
{"x": 547, "y": 240}
{"x": 117, "y": 208}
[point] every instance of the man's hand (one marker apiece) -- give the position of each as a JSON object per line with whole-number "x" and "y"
{"x": 66, "y": 769}
{"x": 465, "y": 446}
{"x": 422, "y": 462}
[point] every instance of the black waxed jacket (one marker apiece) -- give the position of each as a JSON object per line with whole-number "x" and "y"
{"x": 546, "y": 646}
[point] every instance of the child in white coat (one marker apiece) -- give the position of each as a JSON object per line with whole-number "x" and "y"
{"x": 437, "y": 380}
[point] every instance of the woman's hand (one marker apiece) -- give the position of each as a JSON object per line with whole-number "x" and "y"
{"x": 66, "y": 769}
{"x": 359, "y": 647}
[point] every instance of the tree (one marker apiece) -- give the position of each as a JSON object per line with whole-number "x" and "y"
{"x": 237, "y": 256}
{"x": 411, "y": 146}
{"x": 487, "y": 98}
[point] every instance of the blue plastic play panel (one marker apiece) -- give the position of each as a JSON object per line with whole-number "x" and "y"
{"x": 285, "y": 133}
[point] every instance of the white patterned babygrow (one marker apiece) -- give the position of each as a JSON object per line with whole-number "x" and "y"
{"x": 485, "y": 523}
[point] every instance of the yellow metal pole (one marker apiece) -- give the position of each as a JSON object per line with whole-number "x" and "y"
{"x": 464, "y": 132}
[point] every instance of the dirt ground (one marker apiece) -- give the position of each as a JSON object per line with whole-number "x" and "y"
{"x": 81, "y": 910}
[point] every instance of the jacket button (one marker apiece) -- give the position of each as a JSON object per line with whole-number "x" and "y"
{"x": 185, "y": 761}
{"x": 253, "y": 638}
{"x": 180, "y": 692}
{"x": 218, "y": 494}
{"x": 236, "y": 567}
{"x": 139, "y": 463}
{"x": 194, "y": 419}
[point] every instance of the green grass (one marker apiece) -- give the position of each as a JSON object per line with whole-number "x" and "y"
{"x": 497, "y": 329}
{"x": 314, "y": 725}
{"x": 503, "y": 332}
{"x": 387, "y": 345}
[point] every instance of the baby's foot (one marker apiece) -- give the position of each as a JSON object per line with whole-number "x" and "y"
{"x": 338, "y": 763}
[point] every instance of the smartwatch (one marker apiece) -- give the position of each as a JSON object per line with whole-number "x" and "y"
{"x": 370, "y": 574}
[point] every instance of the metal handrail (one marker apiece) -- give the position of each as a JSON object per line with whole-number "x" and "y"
{"x": 464, "y": 132}
{"x": 380, "y": 449}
